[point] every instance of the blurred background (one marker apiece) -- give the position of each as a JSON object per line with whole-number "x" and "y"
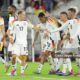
{"x": 33, "y": 8}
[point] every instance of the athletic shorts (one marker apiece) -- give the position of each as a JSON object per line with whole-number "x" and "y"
{"x": 47, "y": 45}
{"x": 20, "y": 49}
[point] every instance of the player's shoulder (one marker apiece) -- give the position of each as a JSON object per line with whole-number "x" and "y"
{"x": 50, "y": 25}
{"x": 72, "y": 21}
{"x": 16, "y": 23}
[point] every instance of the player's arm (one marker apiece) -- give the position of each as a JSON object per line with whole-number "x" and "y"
{"x": 63, "y": 27}
{"x": 9, "y": 29}
{"x": 8, "y": 32}
{"x": 12, "y": 36}
{"x": 34, "y": 27}
{"x": 2, "y": 29}
{"x": 52, "y": 18}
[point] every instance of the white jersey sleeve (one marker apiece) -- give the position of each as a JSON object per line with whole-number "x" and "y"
{"x": 14, "y": 30}
{"x": 63, "y": 27}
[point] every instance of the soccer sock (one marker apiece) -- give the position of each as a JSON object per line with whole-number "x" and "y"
{"x": 69, "y": 64}
{"x": 14, "y": 66}
{"x": 64, "y": 67}
{"x": 56, "y": 62}
{"x": 25, "y": 66}
{"x": 60, "y": 62}
{"x": 40, "y": 67}
{"x": 22, "y": 69}
{"x": 50, "y": 60}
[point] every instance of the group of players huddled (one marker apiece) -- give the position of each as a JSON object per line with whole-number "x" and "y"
{"x": 62, "y": 38}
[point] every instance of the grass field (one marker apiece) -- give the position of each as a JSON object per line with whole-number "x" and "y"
{"x": 31, "y": 76}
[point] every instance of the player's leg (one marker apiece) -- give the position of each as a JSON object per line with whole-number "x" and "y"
{"x": 60, "y": 60}
{"x": 57, "y": 64}
{"x": 69, "y": 65}
{"x": 6, "y": 64}
{"x": 51, "y": 54}
{"x": 40, "y": 66}
{"x": 64, "y": 66}
{"x": 42, "y": 57}
{"x": 23, "y": 59}
{"x": 15, "y": 51}
{"x": 9, "y": 49}
{"x": 13, "y": 60}
{"x": 3, "y": 60}
{"x": 63, "y": 52}
{"x": 68, "y": 60}
{"x": 57, "y": 61}
{"x": 50, "y": 60}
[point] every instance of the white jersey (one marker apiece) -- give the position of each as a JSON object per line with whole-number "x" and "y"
{"x": 20, "y": 31}
{"x": 77, "y": 34}
{"x": 71, "y": 25}
{"x": 49, "y": 27}
{"x": 10, "y": 28}
{"x": 46, "y": 42}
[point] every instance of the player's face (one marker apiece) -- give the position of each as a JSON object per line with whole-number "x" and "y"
{"x": 70, "y": 14}
{"x": 10, "y": 10}
{"x": 63, "y": 17}
{"x": 42, "y": 19}
{"x": 22, "y": 16}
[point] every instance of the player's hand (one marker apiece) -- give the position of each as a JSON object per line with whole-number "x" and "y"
{"x": 46, "y": 32}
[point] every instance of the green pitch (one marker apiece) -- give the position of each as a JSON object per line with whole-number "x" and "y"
{"x": 31, "y": 76}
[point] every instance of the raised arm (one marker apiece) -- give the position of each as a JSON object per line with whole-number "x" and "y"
{"x": 63, "y": 27}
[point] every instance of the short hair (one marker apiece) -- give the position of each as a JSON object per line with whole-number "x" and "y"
{"x": 41, "y": 14}
{"x": 13, "y": 6}
{"x": 20, "y": 12}
{"x": 72, "y": 10}
{"x": 64, "y": 13}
